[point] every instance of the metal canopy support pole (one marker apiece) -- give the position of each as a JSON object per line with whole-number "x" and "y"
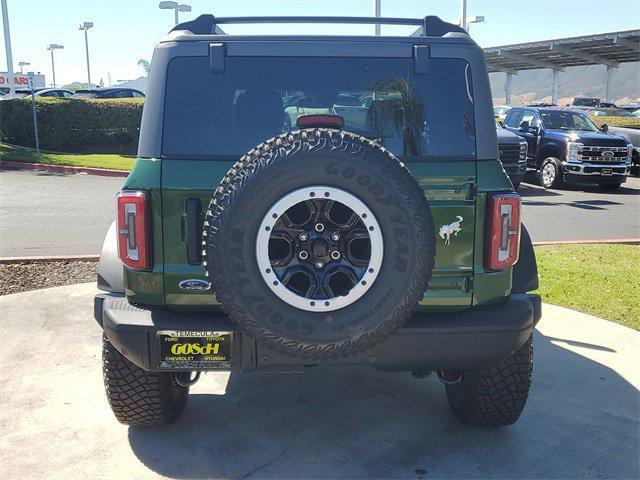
{"x": 177, "y": 20}
{"x": 7, "y": 43}
{"x": 554, "y": 88}
{"x": 377, "y": 7}
{"x": 607, "y": 84}
{"x": 507, "y": 89}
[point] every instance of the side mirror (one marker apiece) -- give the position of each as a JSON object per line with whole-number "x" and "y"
{"x": 524, "y": 126}
{"x": 604, "y": 128}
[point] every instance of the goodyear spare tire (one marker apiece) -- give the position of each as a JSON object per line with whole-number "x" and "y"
{"x": 319, "y": 243}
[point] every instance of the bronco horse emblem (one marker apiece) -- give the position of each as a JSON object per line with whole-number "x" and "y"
{"x": 452, "y": 228}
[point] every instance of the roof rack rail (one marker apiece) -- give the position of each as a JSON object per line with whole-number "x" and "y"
{"x": 431, "y": 26}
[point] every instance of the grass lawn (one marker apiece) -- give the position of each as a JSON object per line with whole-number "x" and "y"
{"x": 114, "y": 162}
{"x": 601, "y": 279}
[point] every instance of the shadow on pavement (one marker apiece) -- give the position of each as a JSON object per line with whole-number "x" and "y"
{"x": 581, "y": 421}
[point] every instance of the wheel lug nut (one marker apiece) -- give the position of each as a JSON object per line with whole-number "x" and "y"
{"x": 303, "y": 237}
{"x": 303, "y": 255}
{"x": 335, "y": 236}
{"x": 319, "y": 227}
{"x": 335, "y": 254}
{"x": 319, "y": 264}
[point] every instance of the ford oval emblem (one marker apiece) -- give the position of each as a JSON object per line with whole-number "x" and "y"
{"x": 607, "y": 153}
{"x": 194, "y": 285}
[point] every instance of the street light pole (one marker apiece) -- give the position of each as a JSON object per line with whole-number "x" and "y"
{"x": 7, "y": 46}
{"x": 53, "y": 47}
{"x": 463, "y": 14}
{"x": 86, "y": 26}
{"x": 377, "y": 7}
{"x": 176, "y": 8}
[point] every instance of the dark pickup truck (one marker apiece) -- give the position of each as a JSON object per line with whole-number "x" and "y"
{"x": 565, "y": 146}
{"x": 513, "y": 154}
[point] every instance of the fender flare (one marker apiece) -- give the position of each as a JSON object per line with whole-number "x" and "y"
{"x": 110, "y": 268}
{"x": 525, "y": 272}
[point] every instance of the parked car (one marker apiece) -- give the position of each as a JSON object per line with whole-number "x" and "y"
{"x": 45, "y": 92}
{"x": 608, "y": 112}
{"x": 584, "y": 102}
{"x": 565, "y": 146}
{"x": 251, "y": 245}
{"x": 632, "y": 134}
{"x": 500, "y": 112}
{"x": 630, "y": 107}
{"x": 108, "y": 92}
{"x": 513, "y": 154}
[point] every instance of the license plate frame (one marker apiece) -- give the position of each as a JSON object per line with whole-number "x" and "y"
{"x": 195, "y": 350}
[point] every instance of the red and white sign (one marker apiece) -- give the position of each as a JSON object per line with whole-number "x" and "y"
{"x": 21, "y": 80}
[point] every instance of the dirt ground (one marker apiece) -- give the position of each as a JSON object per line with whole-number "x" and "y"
{"x": 23, "y": 276}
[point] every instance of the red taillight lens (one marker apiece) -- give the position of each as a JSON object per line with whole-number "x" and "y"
{"x": 503, "y": 231}
{"x": 133, "y": 238}
{"x": 320, "y": 120}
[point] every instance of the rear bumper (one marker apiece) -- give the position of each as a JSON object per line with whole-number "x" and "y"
{"x": 478, "y": 337}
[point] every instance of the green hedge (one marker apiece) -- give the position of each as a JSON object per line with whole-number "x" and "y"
{"x": 74, "y": 125}
{"x": 614, "y": 121}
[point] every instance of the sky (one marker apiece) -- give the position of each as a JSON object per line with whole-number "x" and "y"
{"x": 127, "y": 30}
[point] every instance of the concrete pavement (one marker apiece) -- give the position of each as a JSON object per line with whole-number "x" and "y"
{"x": 57, "y": 214}
{"x": 581, "y": 421}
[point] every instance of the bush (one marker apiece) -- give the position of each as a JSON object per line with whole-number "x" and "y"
{"x": 74, "y": 125}
{"x": 616, "y": 121}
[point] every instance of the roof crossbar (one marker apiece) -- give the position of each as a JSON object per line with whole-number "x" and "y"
{"x": 208, "y": 24}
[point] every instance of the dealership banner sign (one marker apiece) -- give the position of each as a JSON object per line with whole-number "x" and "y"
{"x": 21, "y": 80}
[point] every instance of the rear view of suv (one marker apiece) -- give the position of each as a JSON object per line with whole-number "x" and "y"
{"x": 317, "y": 201}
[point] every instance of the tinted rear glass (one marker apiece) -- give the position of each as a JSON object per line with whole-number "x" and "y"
{"x": 226, "y": 114}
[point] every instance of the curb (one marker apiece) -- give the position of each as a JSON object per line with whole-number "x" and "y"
{"x": 104, "y": 172}
{"x": 628, "y": 241}
{"x": 54, "y": 258}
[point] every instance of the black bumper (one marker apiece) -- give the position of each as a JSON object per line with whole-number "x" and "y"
{"x": 478, "y": 337}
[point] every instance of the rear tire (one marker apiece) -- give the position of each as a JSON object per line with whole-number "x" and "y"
{"x": 550, "y": 174}
{"x": 496, "y": 396}
{"x": 137, "y": 397}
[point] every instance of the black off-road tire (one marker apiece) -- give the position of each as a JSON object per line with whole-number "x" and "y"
{"x": 494, "y": 397}
{"x": 137, "y": 397}
{"x": 319, "y": 157}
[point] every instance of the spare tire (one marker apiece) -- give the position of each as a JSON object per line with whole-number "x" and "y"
{"x": 319, "y": 243}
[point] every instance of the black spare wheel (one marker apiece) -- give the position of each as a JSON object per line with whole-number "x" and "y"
{"x": 319, "y": 243}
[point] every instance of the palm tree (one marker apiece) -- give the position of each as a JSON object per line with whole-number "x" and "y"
{"x": 146, "y": 66}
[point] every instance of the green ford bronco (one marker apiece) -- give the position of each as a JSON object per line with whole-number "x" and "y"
{"x": 317, "y": 201}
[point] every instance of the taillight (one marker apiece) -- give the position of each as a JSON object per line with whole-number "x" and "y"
{"x": 133, "y": 231}
{"x": 503, "y": 231}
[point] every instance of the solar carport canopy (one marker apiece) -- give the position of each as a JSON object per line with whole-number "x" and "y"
{"x": 610, "y": 49}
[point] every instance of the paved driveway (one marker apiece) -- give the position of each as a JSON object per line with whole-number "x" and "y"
{"x": 581, "y": 420}
{"x": 54, "y": 214}
{"x": 49, "y": 214}
{"x": 578, "y": 213}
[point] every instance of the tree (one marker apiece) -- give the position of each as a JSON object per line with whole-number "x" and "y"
{"x": 146, "y": 66}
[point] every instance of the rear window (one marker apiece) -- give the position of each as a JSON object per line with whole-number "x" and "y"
{"x": 226, "y": 114}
